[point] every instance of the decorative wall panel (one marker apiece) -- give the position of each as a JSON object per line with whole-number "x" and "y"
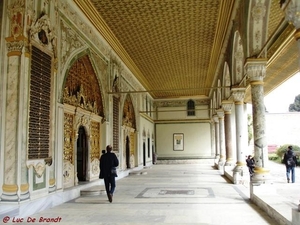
{"x": 128, "y": 113}
{"x": 95, "y": 140}
{"x": 116, "y": 123}
{"x": 69, "y": 138}
{"x": 82, "y": 87}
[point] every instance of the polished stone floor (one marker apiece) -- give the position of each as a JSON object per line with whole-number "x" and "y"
{"x": 169, "y": 194}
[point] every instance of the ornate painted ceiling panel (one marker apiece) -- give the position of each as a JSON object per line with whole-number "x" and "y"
{"x": 171, "y": 42}
{"x": 174, "y": 47}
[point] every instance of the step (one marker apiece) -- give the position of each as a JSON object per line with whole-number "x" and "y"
{"x": 93, "y": 191}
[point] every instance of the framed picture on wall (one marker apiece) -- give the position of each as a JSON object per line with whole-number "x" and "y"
{"x": 178, "y": 142}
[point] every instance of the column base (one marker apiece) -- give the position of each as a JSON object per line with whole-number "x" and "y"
{"x": 221, "y": 162}
{"x": 24, "y": 195}
{"x": 241, "y": 174}
{"x": 260, "y": 176}
{"x": 217, "y": 158}
{"x": 10, "y": 193}
{"x": 229, "y": 163}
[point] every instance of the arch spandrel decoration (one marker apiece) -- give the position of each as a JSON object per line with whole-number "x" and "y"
{"x": 238, "y": 59}
{"x": 226, "y": 82}
{"x": 257, "y": 26}
{"x": 214, "y": 103}
{"x": 82, "y": 87}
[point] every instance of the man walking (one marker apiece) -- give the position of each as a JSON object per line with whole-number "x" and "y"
{"x": 290, "y": 162}
{"x": 108, "y": 164}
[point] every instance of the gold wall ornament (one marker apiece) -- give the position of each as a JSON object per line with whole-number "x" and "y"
{"x": 14, "y": 48}
{"x": 68, "y": 137}
{"x": 95, "y": 140}
{"x": 128, "y": 113}
{"x": 82, "y": 88}
{"x": 132, "y": 144}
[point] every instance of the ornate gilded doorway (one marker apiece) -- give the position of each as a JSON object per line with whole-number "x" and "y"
{"x": 82, "y": 154}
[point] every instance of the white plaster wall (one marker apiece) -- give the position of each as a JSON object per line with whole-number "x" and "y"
{"x": 201, "y": 112}
{"x": 197, "y": 140}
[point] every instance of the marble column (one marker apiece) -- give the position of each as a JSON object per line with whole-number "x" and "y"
{"x": 256, "y": 71}
{"x": 227, "y": 106}
{"x": 240, "y": 172}
{"x": 220, "y": 114}
{"x": 216, "y": 120}
{"x": 11, "y": 157}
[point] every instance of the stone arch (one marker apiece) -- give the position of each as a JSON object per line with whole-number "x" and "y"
{"x": 226, "y": 81}
{"x": 237, "y": 59}
{"x": 129, "y": 137}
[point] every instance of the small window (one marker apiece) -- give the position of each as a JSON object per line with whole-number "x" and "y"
{"x": 191, "y": 108}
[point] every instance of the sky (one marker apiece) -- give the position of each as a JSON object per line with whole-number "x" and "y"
{"x": 279, "y": 100}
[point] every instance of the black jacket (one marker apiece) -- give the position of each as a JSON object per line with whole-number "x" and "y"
{"x": 289, "y": 155}
{"x": 107, "y": 162}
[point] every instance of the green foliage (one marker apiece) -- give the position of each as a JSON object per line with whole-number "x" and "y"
{"x": 295, "y": 107}
{"x": 274, "y": 157}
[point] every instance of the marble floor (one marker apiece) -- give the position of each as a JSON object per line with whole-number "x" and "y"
{"x": 162, "y": 194}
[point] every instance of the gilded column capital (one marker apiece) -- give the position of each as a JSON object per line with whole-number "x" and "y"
{"x": 227, "y": 106}
{"x": 15, "y": 47}
{"x": 256, "y": 69}
{"x": 238, "y": 94}
{"x": 292, "y": 12}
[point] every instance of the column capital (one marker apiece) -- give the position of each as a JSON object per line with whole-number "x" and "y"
{"x": 238, "y": 94}
{"x": 216, "y": 118}
{"x": 220, "y": 113}
{"x": 292, "y": 12}
{"x": 256, "y": 69}
{"x": 227, "y": 105}
{"x": 15, "y": 47}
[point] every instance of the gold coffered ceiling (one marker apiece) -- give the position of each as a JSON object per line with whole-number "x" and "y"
{"x": 174, "y": 47}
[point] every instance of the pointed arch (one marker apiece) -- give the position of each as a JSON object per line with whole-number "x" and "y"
{"x": 81, "y": 86}
{"x": 128, "y": 118}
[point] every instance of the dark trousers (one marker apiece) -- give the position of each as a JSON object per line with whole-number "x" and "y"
{"x": 110, "y": 185}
